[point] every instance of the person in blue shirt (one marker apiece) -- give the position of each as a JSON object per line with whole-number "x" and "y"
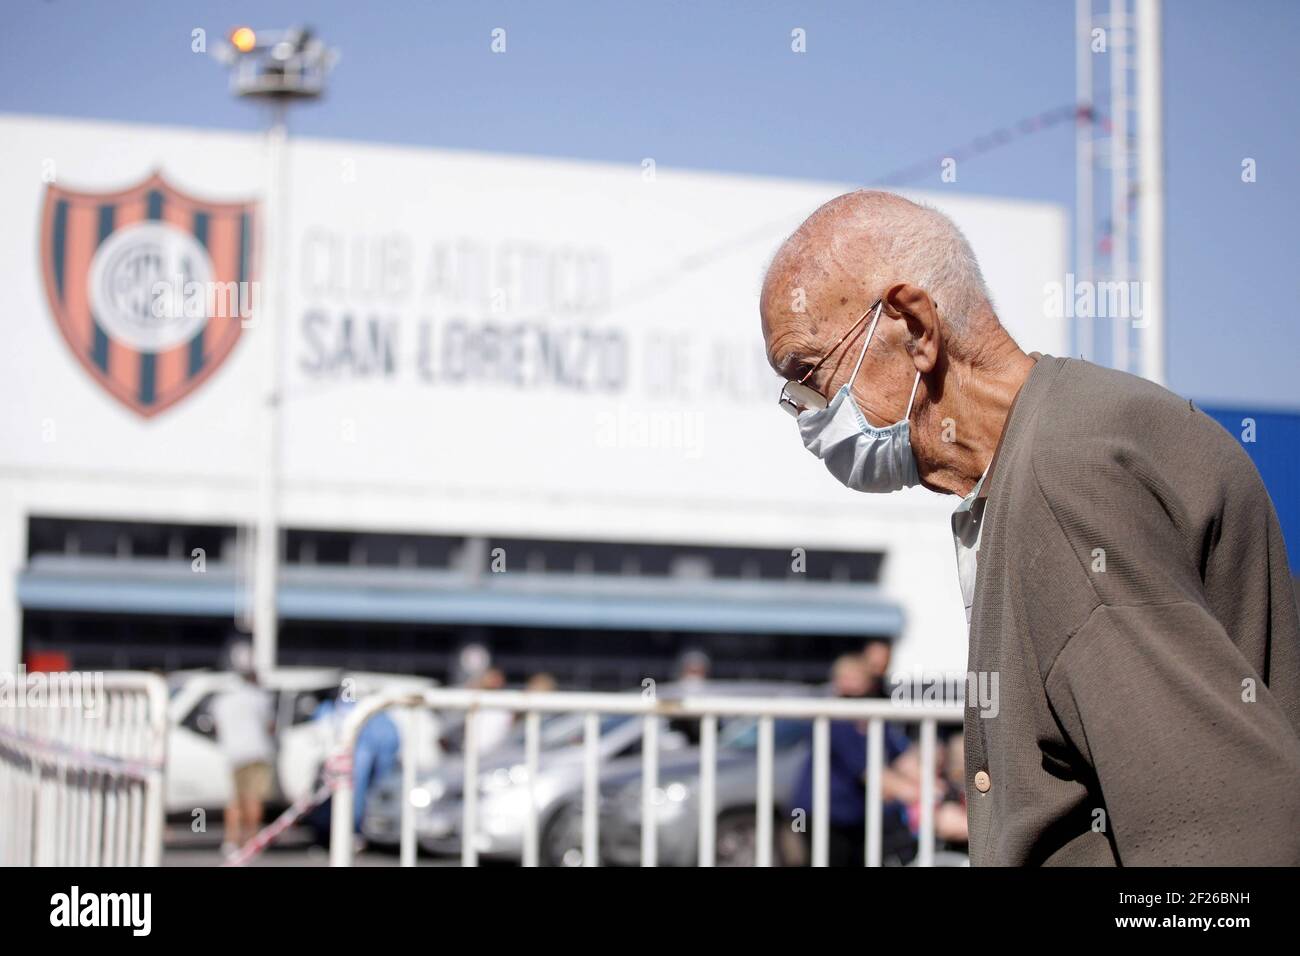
{"x": 852, "y": 677}
{"x": 375, "y": 755}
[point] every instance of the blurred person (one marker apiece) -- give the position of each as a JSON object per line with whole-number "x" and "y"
{"x": 876, "y": 655}
{"x": 374, "y": 755}
{"x": 850, "y": 678}
{"x": 692, "y": 677}
{"x": 471, "y": 663}
{"x": 693, "y": 667}
{"x": 244, "y": 721}
{"x": 539, "y": 683}
{"x": 950, "y": 824}
{"x": 950, "y": 827}
{"x": 1133, "y": 596}
{"x": 491, "y": 725}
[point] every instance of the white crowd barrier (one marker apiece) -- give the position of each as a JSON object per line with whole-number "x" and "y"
{"x": 708, "y": 710}
{"x": 81, "y": 769}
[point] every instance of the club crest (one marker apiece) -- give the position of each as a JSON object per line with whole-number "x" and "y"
{"x": 149, "y": 287}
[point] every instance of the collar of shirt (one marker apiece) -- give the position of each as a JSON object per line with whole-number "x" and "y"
{"x": 967, "y": 521}
{"x": 966, "y": 516}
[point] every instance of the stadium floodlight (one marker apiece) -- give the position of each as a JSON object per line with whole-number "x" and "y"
{"x": 276, "y": 64}
{"x": 279, "y": 67}
{"x": 243, "y": 39}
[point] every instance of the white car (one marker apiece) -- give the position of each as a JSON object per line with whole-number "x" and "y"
{"x": 199, "y": 775}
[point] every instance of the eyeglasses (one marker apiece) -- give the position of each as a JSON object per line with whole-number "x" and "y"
{"x": 799, "y": 397}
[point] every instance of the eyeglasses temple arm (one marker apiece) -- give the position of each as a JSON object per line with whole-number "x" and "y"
{"x": 870, "y": 332}
{"x": 852, "y": 328}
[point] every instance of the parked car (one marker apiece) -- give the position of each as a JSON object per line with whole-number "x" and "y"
{"x": 503, "y": 793}
{"x": 676, "y": 800}
{"x": 198, "y": 774}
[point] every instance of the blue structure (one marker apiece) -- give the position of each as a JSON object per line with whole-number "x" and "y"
{"x": 1276, "y": 453}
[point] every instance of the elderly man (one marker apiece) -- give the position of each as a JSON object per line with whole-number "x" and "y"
{"x": 1121, "y": 563}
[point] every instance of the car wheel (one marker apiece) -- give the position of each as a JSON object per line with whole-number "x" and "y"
{"x": 737, "y": 840}
{"x": 561, "y": 843}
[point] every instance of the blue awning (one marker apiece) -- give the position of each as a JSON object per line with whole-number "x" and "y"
{"x": 517, "y": 599}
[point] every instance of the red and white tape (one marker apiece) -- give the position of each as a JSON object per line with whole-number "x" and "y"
{"x": 338, "y": 766}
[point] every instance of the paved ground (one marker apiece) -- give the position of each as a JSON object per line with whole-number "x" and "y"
{"x": 182, "y": 847}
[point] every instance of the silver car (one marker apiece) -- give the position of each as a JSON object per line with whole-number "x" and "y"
{"x": 437, "y": 799}
{"x": 676, "y": 800}
{"x": 503, "y": 790}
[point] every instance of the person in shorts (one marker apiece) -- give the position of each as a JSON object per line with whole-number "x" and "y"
{"x": 243, "y": 718}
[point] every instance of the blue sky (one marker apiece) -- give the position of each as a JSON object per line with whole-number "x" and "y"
{"x": 713, "y": 85}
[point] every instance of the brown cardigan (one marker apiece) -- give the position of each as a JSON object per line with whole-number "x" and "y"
{"x": 1134, "y": 602}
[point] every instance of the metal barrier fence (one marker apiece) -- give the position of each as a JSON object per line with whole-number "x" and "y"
{"x": 821, "y": 711}
{"x": 81, "y": 769}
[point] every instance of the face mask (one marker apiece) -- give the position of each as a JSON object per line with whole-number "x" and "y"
{"x": 859, "y": 456}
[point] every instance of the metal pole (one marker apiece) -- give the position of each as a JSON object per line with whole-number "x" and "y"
{"x": 532, "y": 746}
{"x": 469, "y": 808}
{"x": 1151, "y": 197}
{"x": 649, "y": 784}
{"x": 875, "y": 786}
{"x": 272, "y": 273}
{"x": 341, "y": 847}
{"x": 925, "y": 854}
{"x": 153, "y": 805}
{"x": 763, "y": 822}
{"x": 407, "y": 816}
{"x": 708, "y": 789}
{"x": 821, "y": 790}
{"x": 1120, "y": 37}
{"x": 1083, "y": 139}
{"x": 590, "y": 792}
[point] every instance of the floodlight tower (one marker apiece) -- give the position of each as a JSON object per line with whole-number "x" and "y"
{"x": 1119, "y": 200}
{"x": 278, "y": 68}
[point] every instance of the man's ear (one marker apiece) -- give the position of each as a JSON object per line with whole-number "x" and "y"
{"x": 915, "y": 307}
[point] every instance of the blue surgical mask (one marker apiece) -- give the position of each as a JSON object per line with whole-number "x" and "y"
{"x": 860, "y": 456}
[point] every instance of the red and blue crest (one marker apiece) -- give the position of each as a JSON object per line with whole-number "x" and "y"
{"x": 150, "y": 287}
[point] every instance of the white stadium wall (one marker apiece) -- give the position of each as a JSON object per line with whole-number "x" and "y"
{"x": 472, "y": 344}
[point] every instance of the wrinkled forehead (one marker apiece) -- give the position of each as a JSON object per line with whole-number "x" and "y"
{"x": 791, "y": 338}
{"x": 804, "y": 299}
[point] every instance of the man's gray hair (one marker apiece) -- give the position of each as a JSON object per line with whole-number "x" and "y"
{"x": 922, "y": 246}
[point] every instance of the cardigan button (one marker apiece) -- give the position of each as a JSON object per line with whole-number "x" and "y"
{"x": 982, "y": 781}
